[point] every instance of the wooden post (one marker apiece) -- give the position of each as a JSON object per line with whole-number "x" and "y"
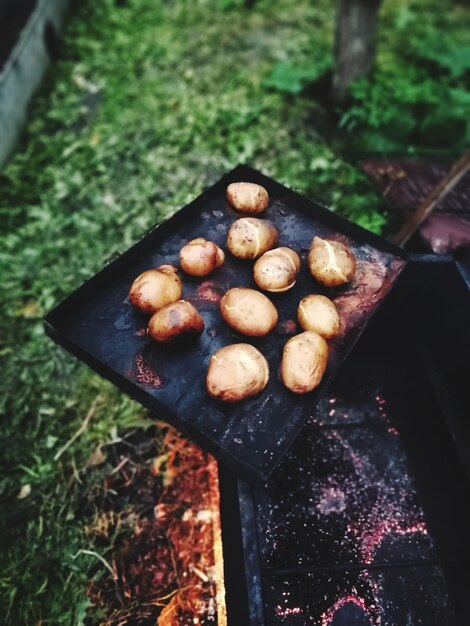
{"x": 356, "y": 24}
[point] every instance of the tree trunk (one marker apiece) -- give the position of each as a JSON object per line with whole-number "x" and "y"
{"x": 356, "y": 23}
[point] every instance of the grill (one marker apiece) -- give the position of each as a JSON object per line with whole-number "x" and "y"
{"x": 362, "y": 519}
{"x": 365, "y": 521}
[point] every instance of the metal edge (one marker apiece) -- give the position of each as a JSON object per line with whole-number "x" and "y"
{"x": 448, "y": 410}
{"x": 251, "y": 551}
{"x": 236, "y": 591}
{"x": 464, "y": 271}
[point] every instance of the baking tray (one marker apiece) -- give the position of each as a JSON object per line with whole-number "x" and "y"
{"x": 98, "y": 325}
{"x": 366, "y": 518}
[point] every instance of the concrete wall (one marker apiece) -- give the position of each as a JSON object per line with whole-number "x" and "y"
{"x": 23, "y": 72}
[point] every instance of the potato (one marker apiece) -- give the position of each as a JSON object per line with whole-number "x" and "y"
{"x": 248, "y": 311}
{"x": 200, "y": 257}
{"x": 175, "y": 321}
{"x": 248, "y": 197}
{"x": 250, "y": 237}
{"x": 318, "y": 313}
{"x": 277, "y": 270}
{"x": 156, "y": 288}
{"x": 304, "y": 362}
{"x": 331, "y": 262}
{"x": 237, "y": 372}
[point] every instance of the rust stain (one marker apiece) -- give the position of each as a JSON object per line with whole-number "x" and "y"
{"x": 146, "y": 375}
{"x": 209, "y": 292}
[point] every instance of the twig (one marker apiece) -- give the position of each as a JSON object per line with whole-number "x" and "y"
{"x": 201, "y": 575}
{"x": 80, "y": 431}
{"x": 426, "y": 207}
{"x": 99, "y": 557}
{"x": 118, "y": 467}
{"x": 75, "y": 473}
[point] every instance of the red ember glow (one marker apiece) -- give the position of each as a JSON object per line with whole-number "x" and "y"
{"x": 372, "y": 538}
{"x": 327, "y": 616}
{"x": 296, "y": 610}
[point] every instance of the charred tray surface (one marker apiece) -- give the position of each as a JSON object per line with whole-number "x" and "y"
{"x": 98, "y": 325}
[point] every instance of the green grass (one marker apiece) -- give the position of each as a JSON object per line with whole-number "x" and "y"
{"x": 419, "y": 97}
{"x": 148, "y": 104}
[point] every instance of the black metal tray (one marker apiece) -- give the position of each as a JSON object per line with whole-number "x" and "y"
{"x": 97, "y": 324}
{"x": 365, "y": 521}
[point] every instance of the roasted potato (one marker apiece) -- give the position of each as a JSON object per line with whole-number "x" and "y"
{"x": 248, "y": 197}
{"x": 156, "y": 288}
{"x": 200, "y": 257}
{"x": 304, "y": 361}
{"x": 175, "y": 321}
{"x": 318, "y": 313}
{"x": 248, "y": 311}
{"x": 331, "y": 262}
{"x": 237, "y": 372}
{"x": 250, "y": 237}
{"x": 276, "y": 270}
